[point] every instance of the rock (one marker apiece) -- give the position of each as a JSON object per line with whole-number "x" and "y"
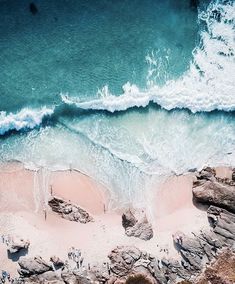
{"x": 207, "y": 173}
{"x": 57, "y": 262}
{"x": 191, "y": 250}
{"x": 140, "y": 278}
{"x": 123, "y": 259}
{"x": 130, "y": 265}
{"x": 223, "y": 223}
{"x": 33, "y": 265}
{"x": 68, "y": 277}
{"x": 194, "y": 4}
{"x": 49, "y": 277}
{"x": 220, "y": 271}
{"x": 208, "y": 190}
{"x": 33, "y": 8}
{"x": 128, "y": 219}
{"x": 137, "y": 228}
{"x": 78, "y": 276}
{"x": 142, "y": 230}
{"x": 15, "y": 244}
{"x": 69, "y": 211}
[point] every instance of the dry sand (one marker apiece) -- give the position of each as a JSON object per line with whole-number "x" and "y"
{"x": 23, "y": 199}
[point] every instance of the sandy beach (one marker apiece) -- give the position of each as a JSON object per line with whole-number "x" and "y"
{"x": 24, "y": 212}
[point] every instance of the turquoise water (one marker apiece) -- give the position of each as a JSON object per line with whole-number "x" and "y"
{"x": 77, "y": 47}
{"x": 125, "y": 91}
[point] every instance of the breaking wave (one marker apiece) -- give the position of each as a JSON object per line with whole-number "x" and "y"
{"x": 24, "y": 119}
{"x": 207, "y": 85}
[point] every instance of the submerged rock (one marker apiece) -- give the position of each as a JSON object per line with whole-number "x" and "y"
{"x": 33, "y": 8}
{"x": 69, "y": 211}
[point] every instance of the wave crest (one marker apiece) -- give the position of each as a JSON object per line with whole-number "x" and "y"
{"x": 24, "y": 119}
{"x": 208, "y": 84}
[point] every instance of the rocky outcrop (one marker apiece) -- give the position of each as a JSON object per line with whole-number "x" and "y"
{"x": 33, "y": 266}
{"x": 69, "y": 211}
{"x": 141, "y": 228}
{"x": 15, "y": 244}
{"x": 208, "y": 189}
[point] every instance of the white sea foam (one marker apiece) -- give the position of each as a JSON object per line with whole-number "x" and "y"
{"x": 207, "y": 85}
{"x": 24, "y": 119}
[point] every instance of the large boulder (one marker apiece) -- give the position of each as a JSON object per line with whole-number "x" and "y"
{"x": 211, "y": 191}
{"x": 141, "y": 228}
{"x": 33, "y": 266}
{"x": 69, "y": 211}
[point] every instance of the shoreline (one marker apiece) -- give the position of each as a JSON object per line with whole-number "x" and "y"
{"x": 22, "y": 212}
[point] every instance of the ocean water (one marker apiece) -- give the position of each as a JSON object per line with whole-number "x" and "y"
{"x": 125, "y": 91}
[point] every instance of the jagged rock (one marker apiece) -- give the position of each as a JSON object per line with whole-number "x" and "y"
{"x": 212, "y": 239}
{"x": 142, "y": 230}
{"x": 128, "y": 219}
{"x": 15, "y": 244}
{"x": 69, "y": 211}
{"x": 68, "y": 277}
{"x": 123, "y": 259}
{"x": 79, "y": 276}
{"x": 130, "y": 265}
{"x": 137, "y": 228}
{"x": 223, "y": 222}
{"x": 220, "y": 271}
{"x": 33, "y": 265}
{"x": 57, "y": 262}
{"x": 191, "y": 250}
{"x": 207, "y": 173}
{"x": 209, "y": 190}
